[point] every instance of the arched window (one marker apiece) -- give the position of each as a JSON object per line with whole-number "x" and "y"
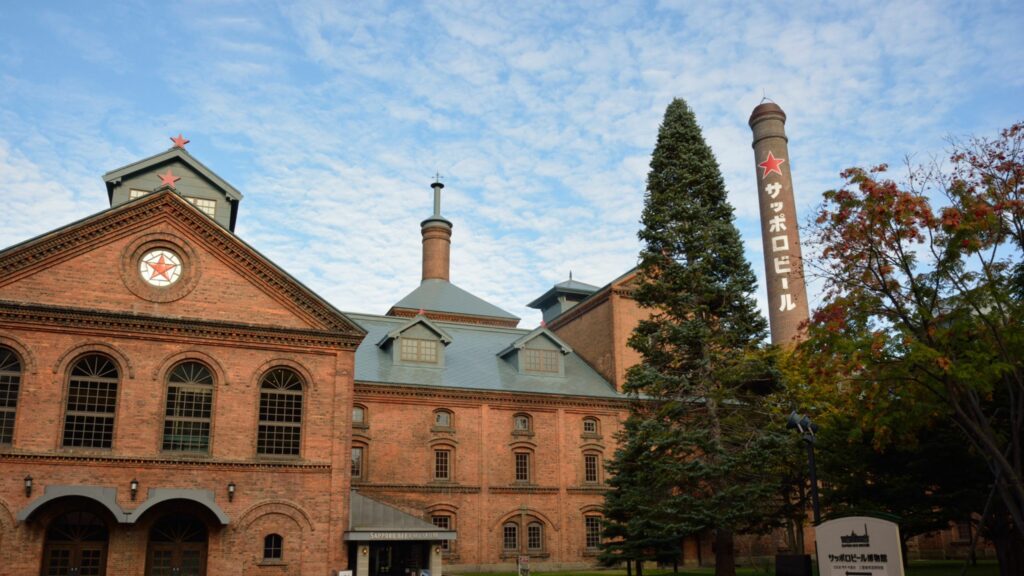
{"x": 92, "y": 402}
{"x": 522, "y": 424}
{"x": 535, "y": 537}
{"x": 590, "y": 427}
{"x": 10, "y": 383}
{"x": 358, "y": 416}
{"x": 280, "y": 427}
{"x": 358, "y": 462}
{"x": 273, "y": 547}
{"x": 442, "y": 418}
{"x": 510, "y": 537}
{"x": 189, "y": 404}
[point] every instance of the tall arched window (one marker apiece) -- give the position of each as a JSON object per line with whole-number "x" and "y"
{"x": 510, "y": 537}
{"x": 189, "y": 403}
{"x": 273, "y": 547}
{"x": 280, "y": 427}
{"x": 92, "y": 402}
{"x": 535, "y": 537}
{"x": 10, "y": 383}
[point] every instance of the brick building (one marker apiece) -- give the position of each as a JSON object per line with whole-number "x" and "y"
{"x": 172, "y": 402}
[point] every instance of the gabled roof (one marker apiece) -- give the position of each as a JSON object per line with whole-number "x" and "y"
{"x": 112, "y": 177}
{"x": 471, "y": 362}
{"x": 443, "y": 296}
{"x": 418, "y": 319}
{"x": 37, "y": 253}
{"x": 570, "y": 286}
{"x": 536, "y": 333}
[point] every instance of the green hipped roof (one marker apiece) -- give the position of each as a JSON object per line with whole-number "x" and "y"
{"x": 471, "y": 361}
{"x": 443, "y": 296}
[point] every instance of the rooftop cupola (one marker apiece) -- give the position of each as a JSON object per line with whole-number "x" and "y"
{"x": 437, "y": 240}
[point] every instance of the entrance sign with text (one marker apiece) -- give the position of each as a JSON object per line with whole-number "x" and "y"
{"x": 859, "y": 546}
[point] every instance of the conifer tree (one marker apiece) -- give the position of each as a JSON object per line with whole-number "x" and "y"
{"x": 704, "y": 368}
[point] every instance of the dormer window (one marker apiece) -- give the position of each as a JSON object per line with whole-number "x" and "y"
{"x": 208, "y": 207}
{"x": 539, "y": 353}
{"x": 419, "y": 342}
{"x": 418, "y": 350}
{"x": 136, "y": 193}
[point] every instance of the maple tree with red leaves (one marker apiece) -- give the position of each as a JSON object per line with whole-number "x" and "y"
{"x": 922, "y": 316}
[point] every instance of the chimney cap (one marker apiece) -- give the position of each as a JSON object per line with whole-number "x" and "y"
{"x": 766, "y": 109}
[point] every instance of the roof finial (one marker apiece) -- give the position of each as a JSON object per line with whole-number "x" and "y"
{"x": 437, "y": 186}
{"x": 764, "y": 96}
{"x": 570, "y": 275}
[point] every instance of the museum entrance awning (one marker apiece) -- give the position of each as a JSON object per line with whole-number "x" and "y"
{"x": 370, "y": 520}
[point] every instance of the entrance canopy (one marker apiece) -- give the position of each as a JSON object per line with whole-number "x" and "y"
{"x": 370, "y": 520}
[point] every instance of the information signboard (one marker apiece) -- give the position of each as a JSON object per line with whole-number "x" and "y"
{"x": 859, "y": 546}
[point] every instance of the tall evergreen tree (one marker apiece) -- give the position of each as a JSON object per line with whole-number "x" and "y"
{"x": 704, "y": 368}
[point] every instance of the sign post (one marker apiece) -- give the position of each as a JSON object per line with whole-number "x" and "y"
{"x": 859, "y": 546}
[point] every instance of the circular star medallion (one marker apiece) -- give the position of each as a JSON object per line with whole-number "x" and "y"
{"x": 160, "y": 267}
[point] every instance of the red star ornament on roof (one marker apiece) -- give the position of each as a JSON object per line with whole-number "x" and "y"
{"x": 160, "y": 268}
{"x": 168, "y": 178}
{"x": 180, "y": 141}
{"x": 771, "y": 164}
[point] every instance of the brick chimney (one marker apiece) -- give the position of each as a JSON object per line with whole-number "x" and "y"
{"x": 437, "y": 241}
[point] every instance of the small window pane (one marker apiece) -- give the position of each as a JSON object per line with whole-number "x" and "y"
{"x": 534, "y": 537}
{"x": 510, "y": 537}
{"x": 442, "y": 463}
{"x": 590, "y": 467}
{"x": 540, "y": 360}
{"x": 208, "y": 207}
{"x": 522, "y": 466}
{"x": 133, "y": 194}
{"x": 357, "y": 462}
{"x": 590, "y": 426}
{"x": 593, "y": 531}
{"x": 273, "y": 546}
{"x": 521, "y": 423}
{"x": 418, "y": 350}
{"x": 10, "y": 383}
{"x": 443, "y": 418}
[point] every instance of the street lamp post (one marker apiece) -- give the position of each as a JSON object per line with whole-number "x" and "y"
{"x": 808, "y": 429}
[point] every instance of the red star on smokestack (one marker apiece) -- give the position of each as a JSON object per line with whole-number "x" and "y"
{"x": 771, "y": 164}
{"x": 180, "y": 141}
{"x": 168, "y": 179}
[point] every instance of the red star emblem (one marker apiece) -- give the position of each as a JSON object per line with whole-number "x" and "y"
{"x": 180, "y": 141}
{"x": 771, "y": 164}
{"x": 160, "y": 268}
{"x": 168, "y": 179}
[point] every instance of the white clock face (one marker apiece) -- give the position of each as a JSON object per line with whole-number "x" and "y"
{"x": 160, "y": 267}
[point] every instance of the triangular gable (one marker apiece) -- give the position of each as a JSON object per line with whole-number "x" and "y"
{"x": 43, "y": 252}
{"x": 419, "y": 319}
{"x": 539, "y": 332}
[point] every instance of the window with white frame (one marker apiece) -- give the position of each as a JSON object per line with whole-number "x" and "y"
{"x": 208, "y": 207}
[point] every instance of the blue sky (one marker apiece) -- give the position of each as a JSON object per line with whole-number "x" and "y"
{"x": 332, "y": 117}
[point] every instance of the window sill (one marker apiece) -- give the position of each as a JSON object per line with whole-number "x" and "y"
{"x": 510, "y": 554}
{"x": 526, "y": 433}
{"x": 360, "y": 425}
{"x": 591, "y": 552}
{"x": 591, "y": 436}
{"x": 272, "y": 564}
{"x": 445, "y": 429}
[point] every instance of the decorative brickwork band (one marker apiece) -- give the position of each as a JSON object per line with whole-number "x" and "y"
{"x": 783, "y": 262}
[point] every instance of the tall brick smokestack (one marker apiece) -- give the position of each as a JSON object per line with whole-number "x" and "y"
{"x": 437, "y": 241}
{"x": 783, "y": 262}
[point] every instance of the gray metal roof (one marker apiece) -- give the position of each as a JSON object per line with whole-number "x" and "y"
{"x": 366, "y": 514}
{"x": 443, "y": 296}
{"x": 521, "y": 342}
{"x": 570, "y": 286}
{"x": 471, "y": 361}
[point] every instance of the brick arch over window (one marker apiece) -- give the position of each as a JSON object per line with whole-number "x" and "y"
{"x": 28, "y": 360}
{"x": 284, "y": 362}
{"x": 72, "y": 354}
{"x": 514, "y": 515}
{"x": 282, "y": 507}
{"x": 172, "y": 360}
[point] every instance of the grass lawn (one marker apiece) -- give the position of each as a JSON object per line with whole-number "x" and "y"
{"x": 916, "y": 568}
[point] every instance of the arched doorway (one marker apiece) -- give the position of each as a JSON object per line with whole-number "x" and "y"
{"x": 76, "y": 545}
{"x": 177, "y": 546}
